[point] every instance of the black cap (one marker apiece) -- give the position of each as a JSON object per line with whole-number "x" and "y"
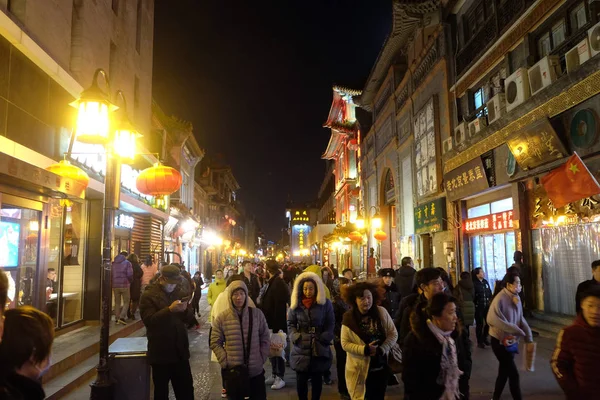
{"x": 171, "y": 273}
{"x": 387, "y": 272}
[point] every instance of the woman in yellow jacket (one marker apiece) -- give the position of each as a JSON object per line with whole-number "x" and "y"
{"x": 216, "y": 288}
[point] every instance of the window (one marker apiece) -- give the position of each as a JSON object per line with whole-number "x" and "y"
{"x": 115, "y": 6}
{"x": 478, "y": 211}
{"x": 544, "y": 46}
{"x": 490, "y": 208}
{"x": 558, "y": 33}
{"x": 138, "y": 26}
{"x": 502, "y": 205}
{"x": 479, "y": 103}
{"x": 578, "y": 17}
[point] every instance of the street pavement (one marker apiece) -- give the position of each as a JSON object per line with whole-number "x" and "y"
{"x": 536, "y": 385}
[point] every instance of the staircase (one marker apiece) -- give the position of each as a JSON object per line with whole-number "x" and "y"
{"x": 75, "y": 356}
{"x": 548, "y": 325}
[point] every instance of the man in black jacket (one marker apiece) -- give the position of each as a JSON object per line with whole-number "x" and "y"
{"x": 586, "y": 285}
{"x": 405, "y": 277}
{"x": 391, "y": 302}
{"x": 273, "y": 304}
{"x": 482, "y": 300}
{"x": 251, "y": 280}
{"x": 168, "y": 346}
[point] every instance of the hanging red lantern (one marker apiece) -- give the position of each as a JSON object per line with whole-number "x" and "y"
{"x": 380, "y": 235}
{"x": 355, "y": 236}
{"x": 69, "y": 171}
{"x": 158, "y": 180}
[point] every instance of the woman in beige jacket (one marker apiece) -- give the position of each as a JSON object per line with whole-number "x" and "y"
{"x": 368, "y": 334}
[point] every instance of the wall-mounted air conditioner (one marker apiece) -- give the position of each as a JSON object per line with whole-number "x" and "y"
{"x": 447, "y": 145}
{"x": 577, "y": 55}
{"x": 594, "y": 39}
{"x": 516, "y": 88}
{"x": 496, "y": 107}
{"x": 460, "y": 133}
{"x": 544, "y": 73}
{"x": 476, "y": 126}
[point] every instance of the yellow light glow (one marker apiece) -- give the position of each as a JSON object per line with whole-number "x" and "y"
{"x": 92, "y": 122}
{"x": 296, "y": 253}
{"x": 561, "y": 219}
{"x": 124, "y": 145}
{"x": 376, "y": 223}
{"x": 360, "y": 223}
{"x": 34, "y": 226}
{"x": 242, "y": 252}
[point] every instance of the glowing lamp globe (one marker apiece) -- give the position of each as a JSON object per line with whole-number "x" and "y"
{"x": 380, "y": 235}
{"x": 67, "y": 170}
{"x": 355, "y": 236}
{"x": 158, "y": 180}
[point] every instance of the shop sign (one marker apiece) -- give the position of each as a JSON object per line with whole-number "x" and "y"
{"x": 544, "y": 214}
{"x": 300, "y": 217}
{"x": 489, "y": 223}
{"x": 468, "y": 179}
{"x": 431, "y": 216}
{"x": 535, "y": 145}
{"x": 124, "y": 221}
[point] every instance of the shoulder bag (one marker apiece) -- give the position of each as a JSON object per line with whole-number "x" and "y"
{"x": 237, "y": 379}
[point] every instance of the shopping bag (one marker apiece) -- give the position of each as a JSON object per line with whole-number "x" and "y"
{"x": 278, "y": 343}
{"x": 529, "y": 356}
{"x": 395, "y": 359}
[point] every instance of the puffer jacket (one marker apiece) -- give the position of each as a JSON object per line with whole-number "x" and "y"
{"x": 222, "y": 304}
{"x": 166, "y": 331}
{"x": 122, "y": 272}
{"x": 226, "y": 337}
{"x": 214, "y": 290}
{"x": 310, "y": 330}
{"x": 464, "y": 292}
{"x": 405, "y": 280}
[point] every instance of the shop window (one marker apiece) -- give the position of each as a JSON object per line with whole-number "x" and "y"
{"x": 502, "y": 205}
{"x": 478, "y": 211}
{"x": 578, "y": 17}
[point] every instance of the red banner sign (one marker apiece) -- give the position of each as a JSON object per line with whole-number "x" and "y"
{"x": 493, "y": 222}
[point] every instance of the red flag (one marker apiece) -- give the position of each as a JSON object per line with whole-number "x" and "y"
{"x": 570, "y": 182}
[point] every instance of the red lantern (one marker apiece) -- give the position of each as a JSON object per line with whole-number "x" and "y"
{"x": 69, "y": 171}
{"x": 159, "y": 180}
{"x": 380, "y": 235}
{"x": 355, "y": 236}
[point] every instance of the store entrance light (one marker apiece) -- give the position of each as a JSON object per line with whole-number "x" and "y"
{"x": 376, "y": 221}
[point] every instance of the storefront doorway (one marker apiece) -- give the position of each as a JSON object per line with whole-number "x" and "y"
{"x": 493, "y": 253}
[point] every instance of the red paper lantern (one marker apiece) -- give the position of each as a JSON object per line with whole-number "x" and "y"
{"x": 355, "y": 236}
{"x": 380, "y": 235}
{"x": 159, "y": 180}
{"x": 67, "y": 170}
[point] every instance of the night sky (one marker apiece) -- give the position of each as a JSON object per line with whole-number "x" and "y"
{"x": 255, "y": 79}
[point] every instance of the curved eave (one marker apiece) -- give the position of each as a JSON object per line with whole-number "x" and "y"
{"x": 335, "y": 142}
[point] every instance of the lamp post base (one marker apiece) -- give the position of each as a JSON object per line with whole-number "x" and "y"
{"x": 102, "y": 388}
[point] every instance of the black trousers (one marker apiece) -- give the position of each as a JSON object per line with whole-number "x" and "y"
{"x": 181, "y": 379}
{"x": 257, "y": 389}
{"x": 316, "y": 381}
{"x": 507, "y": 370}
{"x": 376, "y": 384}
{"x": 278, "y": 365}
{"x": 196, "y": 302}
{"x": 481, "y": 328}
{"x": 340, "y": 364}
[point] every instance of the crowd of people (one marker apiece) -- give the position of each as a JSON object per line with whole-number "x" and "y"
{"x": 295, "y": 315}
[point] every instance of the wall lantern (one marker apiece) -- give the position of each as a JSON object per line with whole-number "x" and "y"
{"x": 380, "y": 235}
{"x": 158, "y": 180}
{"x": 67, "y": 170}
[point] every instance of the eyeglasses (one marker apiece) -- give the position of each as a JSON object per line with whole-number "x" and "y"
{"x": 239, "y": 294}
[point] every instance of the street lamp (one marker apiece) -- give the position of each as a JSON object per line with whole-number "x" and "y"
{"x": 118, "y": 138}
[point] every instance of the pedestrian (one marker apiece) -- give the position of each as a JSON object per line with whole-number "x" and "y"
{"x": 198, "y": 283}
{"x": 25, "y": 353}
{"x": 327, "y": 277}
{"x": 3, "y": 299}
{"x": 168, "y": 345}
{"x": 317, "y": 270}
{"x": 405, "y": 277}
{"x": 251, "y": 280}
{"x": 527, "y": 281}
{"x": 240, "y": 339}
{"x": 310, "y": 327}
{"x": 482, "y": 299}
{"x": 391, "y": 302}
{"x": 448, "y": 286}
{"x": 436, "y": 354}
{"x": 273, "y": 304}
{"x": 586, "y": 285}
{"x": 464, "y": 294}
{"x": 185, "y": 293}
{"x": 429, "y": 282}
{"x": 575, "y": 360}
{"x": 348, "y": 274}
{"x": 339, "y": 309}
{"x": 122, "y": 276}
{"x": 149, "y": 269}
{"x": 507, "y": 324}
{"x": 216, "y": 288}
{"x": 135, "y": 289}
{"x": 368, "y": 334}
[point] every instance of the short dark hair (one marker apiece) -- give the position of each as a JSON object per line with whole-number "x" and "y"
{"x": 593, "y": 291}
{"x": 406, "y": 261}
{"x": 595, "y": 265}
{"x": 124, "y": 253}
{"x": 510, "y": 277}
{"x": 465, "y": 275}
{"x": 347, "y": 270}
{"x": 437, "y": 303}
{"x": 350, "y": 293}
{"x": 28, "y": 334}
{"x": 246, "y": 262}
{"x": 233, "y": 278}
{"x": 51, "y": 270}
{"x": 426, "y": 275}
{"x": 476, "y": 272}
{"x": 3, "y": 290}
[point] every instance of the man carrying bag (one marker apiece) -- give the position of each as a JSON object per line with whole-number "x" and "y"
{"x": 233, "y": 333}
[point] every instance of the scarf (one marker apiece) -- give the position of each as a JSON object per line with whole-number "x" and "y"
{"x": 449, "y": 372}
{"x": 308, "y": 302}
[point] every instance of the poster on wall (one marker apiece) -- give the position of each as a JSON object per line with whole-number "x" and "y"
{"x": 425, "y": 149}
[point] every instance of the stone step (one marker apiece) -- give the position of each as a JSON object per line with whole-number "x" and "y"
{"x": 549, "y": 325}
{"x": 68, "y": 381}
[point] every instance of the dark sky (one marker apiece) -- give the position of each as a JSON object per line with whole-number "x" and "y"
{"x": 255, "y": 78}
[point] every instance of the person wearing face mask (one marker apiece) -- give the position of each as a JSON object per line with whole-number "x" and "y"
{"x": 25, "y": 353}
{"x": 168, "y": 346}
{"x": 368, "y": 334}
{"x": 436, "y": 354}
{"x": 507, "y": 324}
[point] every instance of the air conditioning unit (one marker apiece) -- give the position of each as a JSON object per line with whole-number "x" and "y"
{"x": 476, "y": 126}
{"x": 594, "y": 39}
{"x": 517, "y": 89}
{"x": 578, "y": 55}
{"x": 460, "y": 133}
{"x": 496, "y": 107}
{"x": 544, "y": 73}
{"x": 447, "y": 145}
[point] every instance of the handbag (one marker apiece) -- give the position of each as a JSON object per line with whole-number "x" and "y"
{"x": 395, "y": 359}
{"x": 237, "y": 379}
{"x": 511, "y": 344}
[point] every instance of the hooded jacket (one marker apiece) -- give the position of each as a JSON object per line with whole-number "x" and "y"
{"x": 122, "y": 272}
{"x": 310, "y": 330}
{"x": 226, "y": 339}
{"x": 464, "y": 293}
{"x": 405, "y": 280}
{"x": 575, "y": 360}
{"x": 274, "y": 304}
{"x": 317, "y": 270}
{"x": 222, "y": 303}
{"x": 214, "y": 290}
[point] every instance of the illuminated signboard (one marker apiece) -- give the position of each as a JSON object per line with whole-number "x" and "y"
{"x": 493, "y": 222}
{"x": 124, "y": 221}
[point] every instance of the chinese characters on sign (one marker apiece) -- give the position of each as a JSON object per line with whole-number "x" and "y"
{"x": 124, "y": 221}
{"x": 535, "y": 145}
{"x": 431, "y": 216}
{"x": 300, "y": 217}
{"x": 544, "y": 214}
{"x": 494, "y": 222}
{"x": 425, "y": 149}
{"x": 466, "y": 180}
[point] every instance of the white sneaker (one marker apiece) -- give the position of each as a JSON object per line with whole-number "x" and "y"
{"x": 278, "y": 384}
{"x": 270, "y": 380}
